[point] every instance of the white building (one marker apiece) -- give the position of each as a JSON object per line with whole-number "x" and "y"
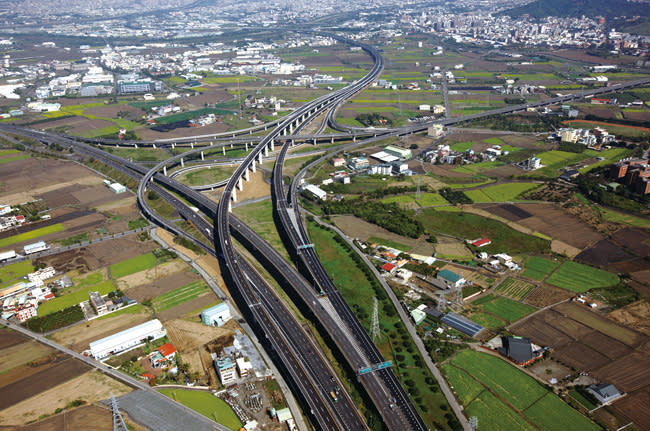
{"x": 127, "y": 339}
{"x": 41, "y": 274}
{"x": 35, "y": 248}
{"x": 315, "y": 191}
{"x": 226, "y": 370}
{"x": 117, "y": 188}
{"x": 217, "y": 315}
{"x": 244, "y": 367}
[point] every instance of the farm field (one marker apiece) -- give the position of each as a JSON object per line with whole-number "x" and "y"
{"x": 467, "y": 226}
{"x": 133, "y": 265}
{"x": 500, "y": 193}
{"x": 14, "y": 272}
{"x": 74, "y": 296}
{"x": 179, "y": 296}
{"x": 426, "y": 200}
{"x": 580, "y": 278}
{"x": 488, "y": 320}
{"x": 33, "y": 234}
{"x": 515, "y": 289}
{"x": 538, "y": 268}
{"x": 503, "y": 383}
{"x": 206, "y": 404}
{"x": 503, "y": 308}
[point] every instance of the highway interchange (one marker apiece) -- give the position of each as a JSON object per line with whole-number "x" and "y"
{"x": 301, "y": 359}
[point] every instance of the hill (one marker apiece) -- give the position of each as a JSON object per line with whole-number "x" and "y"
{"x": 577, "y": 8}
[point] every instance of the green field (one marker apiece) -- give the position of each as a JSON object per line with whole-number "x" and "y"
{"x": 538, "y": 268}
{"x": 131, "y": 266}
{"x": 73, "y": 296}
{"x": 389, "y": 243}
{"x": 504, "y": 308}
{"x": 464, "y": 385}
{"x": 628, "y": 219}
{"x": 582, "y": 400}
{"x": 228, "y": 79}
{"x": 199, "y": 177}
{"x": 469, "y": 226}
{"x": 259, "y": 216}
{"x": 476, "y": 168}
{"x": 576, "y": 277}
{"x": 8, "y": 151}
{"x": 500, "y": 192}
{"x": 487, "y": 320}
{"x": 612, "y": 155}
{"x": 504, "y": 383}
{"x": 515, "y": 387}
{"x": 554, "y": 160}
{"x": 179, "y": 296}
{"x": 493, "y": 141}
{"x": 207, "y": 404}
{"x": 427, "y": 199}
{"x": 11, "y": 274}
{"x": 462, "y": 146}
{"x": 494, "y": 414}
{"x": 32, "y": 234}
{"x": 552, "y": 414}
{"x": 515, "y": 289}
{"x": 14, "y": 158}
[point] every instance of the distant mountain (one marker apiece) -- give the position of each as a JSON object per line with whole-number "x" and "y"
{"x": 577, "y": 8}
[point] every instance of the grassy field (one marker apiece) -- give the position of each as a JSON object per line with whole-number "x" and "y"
{"x": 612, "y": 155}
{"x": 206, "y": 404}
{"x": 582, "y": 400}
{"x": 179, "y": 296}
{"x": 141, "y": 154}
{"x": 14, "y": 158}
{"x": 388, "y": 243}
{"x": 199, "y": 177}
{"x": 359, "y": 290}
{"x": 11, "y": 274}
{"x": 130, "y": 266}
{"x": 628, "y": 219}
{"x": 427, "y": 199}
{"x": 580, "y": 278}
{"x": 515, "y": 289}
{"x": 259, "y": 216}
{"x": 503, "y": 308}
{"x": 503, "y": 383}
{"x": 552, "y": 414}
{"x": 468, "y": 226}
{"x": 73, "y": 297}
{"x": 554, "y": 160}
{"x": 500, "y": 192}
{"x": 488, "y": 320}
{"x": 476, "y": 168}
{"x": 462, "y": 146}
{"x": 222, "y": 79}
{"x": 538, "y": 268}
{"x": 33, "y": 234}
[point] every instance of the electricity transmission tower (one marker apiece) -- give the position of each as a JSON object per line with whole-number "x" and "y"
{"x": 374, "y": 331}
{"x": 473, "y": 423}
{"x": 118, "y": 421}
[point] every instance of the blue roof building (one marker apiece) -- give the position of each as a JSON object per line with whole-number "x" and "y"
{"x": 450, "y": 278}
{"x": 217, "y": 315}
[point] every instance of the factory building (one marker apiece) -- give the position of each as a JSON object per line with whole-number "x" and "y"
{"x": 226, "y": 370}
{"x": 35, "y": 248}
{"x": 127, "y": 339}
{"x": 217, "y": 315}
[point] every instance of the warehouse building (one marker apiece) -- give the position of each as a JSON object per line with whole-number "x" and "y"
{"x": 127, "y": 339}
{"x": 217, "y": 315}
{"x": 35, "y": 248}
{"x": 402, "y": 153}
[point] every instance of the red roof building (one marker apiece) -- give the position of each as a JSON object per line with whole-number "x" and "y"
{"x": 481, "y": 242}
{"x": 48, "y": 296}
{"x": 167, "y": 350}
{"x": 389, "y": 267}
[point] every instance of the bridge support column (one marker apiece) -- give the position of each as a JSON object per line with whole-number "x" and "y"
{"x": 247, "y": 176}
{"x": 265, "y": 128}
{"x": 231, "y": 145}
{"x": 260, "y": 158}
{"x": 229, "y": 207}
{"x": 165, "y": 170}
{"x": 354, "y": 138}
{"x": 173, "y": 145}
{"x": 117, "y": 145}
{"x": 223, "y": 150}
{"x": 192, "y": 145}
{"x": 202, "y": 157}
{"x": 135, "y": 146}
{"x": 182, "y": 163}
{"x": 154, "y": 146}
{"x": 314, "y": 140}
{"x": 293, "y": 142}
{"x": 240, "y": 184}
{"x": 233, "y": 195}
{"x": 233, "y": 135}
{"x": 253, "y": 168}
{"x": 246, "y": 146}
{"x": 266, "y": 151}
{"x": 272, "y": 145}
{"x": 250, "y": 132}
{"x": 332, "y": 140}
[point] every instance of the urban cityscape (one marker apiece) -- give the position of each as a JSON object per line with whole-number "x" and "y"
{"x": 289, "y": 215}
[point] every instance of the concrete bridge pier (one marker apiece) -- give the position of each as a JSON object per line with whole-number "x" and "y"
{"x": 246, "y": 146}
{"x": 229, "y": 207}
{"x": 233, "y": 195}
{"x": 272, "y": 143}
{"x": 202, "y": 156}
{"x": 154, "y": 146}
{"x": 260, "y": 158}
{"x": 135, "y": 146}
{"x": 182, "y": 163}
{"x": 253, "y": 168}
{"x": 165, "y": 170}
{"x": 240, "y": 184}
{"x": 223, "y": 150}
{"x": 266, "y": 151}
{"x": 247, "y": 176}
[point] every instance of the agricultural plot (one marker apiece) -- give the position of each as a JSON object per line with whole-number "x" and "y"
{"x": 32, "y": 234}
{"x": 133, "y": 265}
{"x": 504, "y": 382}
{"x": 580, "y": 278}
{"x": 555, "y": 160}
{"x": 504, "y": 308}
{"x": 538, "y": 268}
{"x": 74, "y": 297}
{"x": 515, "y": 289}
{"x": 206, "y": 404}
{"x": 552, "y": 414}
{"x": 12, "y": 273}
{"x": 462, "y": 146}
{"x": 487, "y": 320}
{"x": 500, "y": 193}
{"x": 426, "y": 200}
{"x": 179, "y": 296}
